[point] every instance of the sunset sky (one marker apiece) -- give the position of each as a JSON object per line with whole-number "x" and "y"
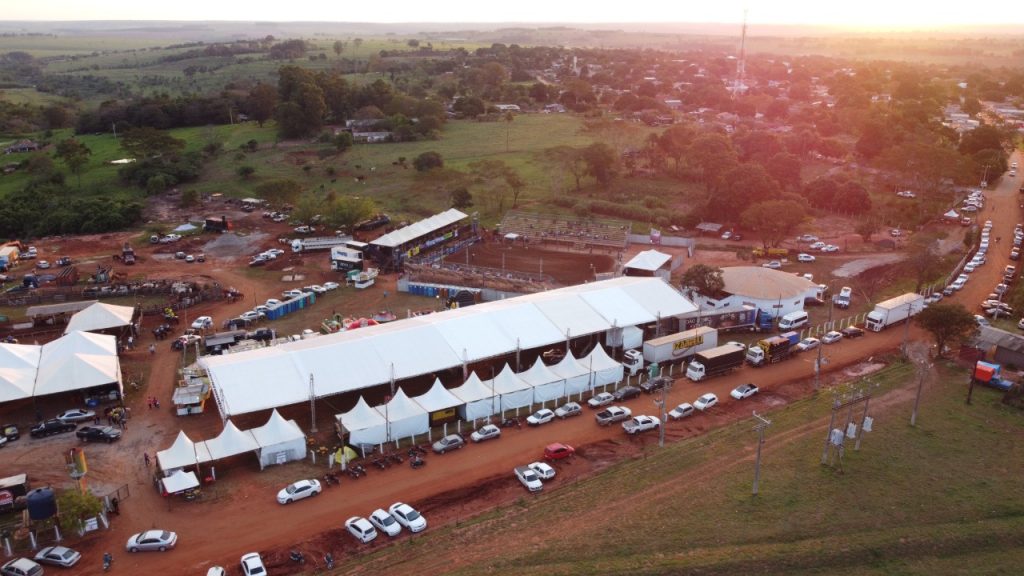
{"x": 863, "y": 14}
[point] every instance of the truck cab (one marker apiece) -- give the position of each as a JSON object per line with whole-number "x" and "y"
{"x": 633, "y": 361}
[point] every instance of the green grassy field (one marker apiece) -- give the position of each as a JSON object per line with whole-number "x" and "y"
{"x": 944, "y": 497}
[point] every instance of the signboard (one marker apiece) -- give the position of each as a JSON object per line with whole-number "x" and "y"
{"x": 442, "y": 416}
{"x": 687, "y": 343}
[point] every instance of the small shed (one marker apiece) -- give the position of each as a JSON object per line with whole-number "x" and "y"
{"x": 649, "y": 263}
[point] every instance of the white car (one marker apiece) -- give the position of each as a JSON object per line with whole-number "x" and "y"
{"x": 601, "y": 399}
{"x": 298, "y": 491}
{"x": 250, "y": 315}
{"x": 42, "y": 265}
{"x": 21, "y": 567}
{"x": 832, "y": 337}
{"x": 774, "y": 265}
{"x": 293, "y": 293}
{"x": 805, "y": 257}
{"x": 830, "y": 248}
{"x": 252, "y": 565}
{"x": 361, "y": 528}
{"x": 970, "y": 267}
{"x": 808, "y": 344}
{"x": 385, "y": 522}
{"x": 542, "y": 416}
{"x": 408, "y": 517}
{"x": 161, "y": 540}
{"x": 331, "y": 285}
{"x": 808, "y": 238}
{"x": 743, "y": 391}
{"x": 818, "y": 245}
{"x": 528, "y": 478}
{"x": 273, "y": 302}
{"x": 567, "y": 410}
{"x": 544, "y": 471}
{"x": 275, "y": 252}
{"x": 706, "y": 401}
{"x": 981, "y": 320}
{"x": 58, "y": 556}
{"x": 726, "y": 235}
{"x": 316, "y": 289}
{"x": 682, "y": 411}
{"x": 488, "y": 432}
{"x": 202, "y": 322}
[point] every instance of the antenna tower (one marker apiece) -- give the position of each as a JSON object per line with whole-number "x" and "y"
{"x": 741, "y": 62}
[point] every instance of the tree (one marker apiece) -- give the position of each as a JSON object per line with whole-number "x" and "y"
{"x": 144, "y": 143}
{"x": 601, "y": 163}
{"x": 922, "y": 259}
{"x": 343, "y": 141}
{"x": 428, "y": 161}
{"x": 740, "y": 187}
{"x": 703, "y": 279}
{"x": 785, "y": 168}
{"x": 357, "y": 43}
{"x": 75, "y": 506}
{"x": 852, "y": 198}
{"x": 509, "y": 118}
{"x": 866, "y": 227}
{"x": 261, "y": 103}
{"x": 75, "y": 155}
{"x": 947, "y": 322}
{"x": 461, "y": 198}
{"x": 245, "y": 172}
{"x": 516, "y": 183}
{"x": 675, "y": 142}
{"x": 345, "y": 212}
{"x": 279, "y": 192}
{"x": 339, "y": 47}
{"x": 714, "y": 155}
{"x": 873, "y": 140}
{"x": 571, "y": 159}
{"x": 774, "y": 220}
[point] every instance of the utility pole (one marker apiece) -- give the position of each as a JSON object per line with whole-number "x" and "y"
{"x": 762, "y": 423}
{"x": 664, "y": 417}
{"x": 922, "y": 368}
{"x": 817, "y": 364}
{"x": 906, "y": 330}
{"x": 312, "y": 406}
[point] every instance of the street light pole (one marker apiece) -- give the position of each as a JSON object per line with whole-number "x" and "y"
{"x": 923, "y": 368}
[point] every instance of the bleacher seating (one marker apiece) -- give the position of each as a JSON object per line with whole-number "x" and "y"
{"x": 576, "y": 233}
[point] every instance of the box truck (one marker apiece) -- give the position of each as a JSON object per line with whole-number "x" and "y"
{"x": 893, "y": 311}
{"x": 731, "y": 319}
{"x": 774, "y": 349}
{"x": 674, "y": 348}
{"x": 716, "y": 361}
{"x": 318, "y": 243}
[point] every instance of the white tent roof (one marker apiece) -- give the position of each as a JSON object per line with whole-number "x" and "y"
{"x": 18, "y": 366}
{"x": 539, "y": 374}
{"x": 76, "y": 361}
{"x": 100, "y": 316}
{"x": 437, "y": 398}
{"x": 182, "y": 453}
{"x": 180, "y": 481}
{"x": 400, "y": 407}
{"x": 361, "y": 417}
{"x": 417, "y": 229}
{"x": 649, "y": 260}
{"x": 472, "y": 390}
{"x": 276, "y": 431}
{"x": 569, "y": 367}
{"x": 279, "y": 375}
{"x": 599, "y": 360}
{"x": 507, "y": 382}
{"x": 230, "y": 442}
{"x": 951, "y": 214}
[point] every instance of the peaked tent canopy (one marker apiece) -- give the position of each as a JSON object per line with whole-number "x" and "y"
{"x": 577, "y": 376}
{"x": 478, "y": 400}
{"x": 280, "y": 441}
{"x": 76, "y": 361}
{"x": 404, "y": 417}
{"x": 19, "y": 364}
{"x": 230, "y": 442}
{"x": 605, "y": 370}
{"x": 100, "y": 316}
{"x": 181, "y": 454}
{"x": 514, "y": 392}
{"x": 179, "y": 481}
{"x": 546, "y": 384}
{"x": 437, "y": 398}
{"x": 649, "y": 260}
{"x": 363, "y": 424}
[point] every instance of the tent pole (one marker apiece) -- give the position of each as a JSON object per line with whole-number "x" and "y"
{"x": 312, "y": 406}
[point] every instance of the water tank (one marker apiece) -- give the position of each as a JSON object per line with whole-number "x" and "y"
{"x": 42, "y": 503}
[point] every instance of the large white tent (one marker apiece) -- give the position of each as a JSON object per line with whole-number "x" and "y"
{"x": 478, "y": 400}
{"x": 230, "y": 442}
{"x": 363, "y": 424}
{"x": 279, "y": 375}
{"x": 19, "y": 364}
{"x": 76, "y": 361}
{"x": 181, "y": 454}
{"x": 605, "y": 370}
{"x": 577, "y": 377}
{"x": 280, "y": 441}
{"x": 546, "y": 384}
{"x": 437, "y": 399}
{"x": 404, "y": 417}
{"x": 513, "y": 392}
{"x": 100, "y": 316}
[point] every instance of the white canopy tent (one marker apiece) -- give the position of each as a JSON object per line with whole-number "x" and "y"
{"x": 438, "y": 398}
{"x": 280, "y": 441}
{"x": 513, "y": 392}
{"x": 181, "y": 454}
{"x": 404, "y": 417}
{"x": 100, "y": 316}
{"x": 478, "y": 400}
{"x": 649, "y": 260}
{"x": 179, "y": 481}
{"x": 231, "y": 442}
{"x": 577, "y": 377}
{"x": 605, "y": 370}
{"x": 363, "y": 424}
{"x": 19, "y": 364}
{"x": 76, "y": 361}
{"x": 546, "y": 384}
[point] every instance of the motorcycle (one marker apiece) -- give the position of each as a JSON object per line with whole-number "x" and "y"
{"x": 395, "y": 457}
{"x": 415, "y": 451}
{"x": 331, "y": 478}
{"x": 329, "y": 561}
{"x": 192, "y": 494}
{"x": 381, "y": 463}
{"x": 297, "y": 556}
{"x": 107, "y": 561}
{"x": 417, "y": 462}
{"x": 510, "y": 422}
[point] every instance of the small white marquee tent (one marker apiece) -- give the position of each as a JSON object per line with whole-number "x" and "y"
{"x": 437, "y": 398}
{"x": 404, "y": 417}
{"x": 477, "y": 398}
{"x": 513, "y": 391}
{"x": 363, "y": 424}
{"x": 606, "y": 371}
{"x": 546, "y": 384}
{"x": 100, "y": 316}
{"x": 576, "y": 375}
{"x": 179, "y": 481}
{"x": 181, "y": 454}
{"x": 231, "y": 442}
{"x": 280, "y": 441}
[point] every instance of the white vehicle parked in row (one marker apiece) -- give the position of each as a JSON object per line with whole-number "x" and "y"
{"x": 408, "y": 517}
{"x": 385, "y": 522}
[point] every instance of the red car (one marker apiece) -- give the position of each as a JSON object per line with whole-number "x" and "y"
{"x": 558, "y": 451}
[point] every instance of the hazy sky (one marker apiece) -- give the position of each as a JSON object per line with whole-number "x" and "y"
{"x": 873, "y": 14}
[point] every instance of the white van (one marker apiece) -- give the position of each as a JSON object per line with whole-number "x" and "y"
{"x": 793, "y": 321}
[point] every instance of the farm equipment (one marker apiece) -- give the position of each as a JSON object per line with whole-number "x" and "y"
{"x": 127, "y": 254}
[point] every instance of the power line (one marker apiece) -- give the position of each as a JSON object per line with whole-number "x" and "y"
{"x": 762, "y": 424}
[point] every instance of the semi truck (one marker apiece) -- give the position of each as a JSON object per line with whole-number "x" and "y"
{"x": 318, "y": 243}
{"x": 774, "y": 349}
{"x": 730, "y": 319}
{"x": 716, "y": 361}
{"x": 673, "y": 348}
{"x": 893, "y": 311}
{"x": 348, "y": 256}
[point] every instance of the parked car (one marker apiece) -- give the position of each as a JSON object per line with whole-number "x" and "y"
{"x": 528, "y": 478}
{"x": 641, "y": 423}
{"x": 625, "y": 393}
{"x": 408, "y": 517}
{"x": 808, "y": 238}
{"x": 298, "y": 491}
{"x": 981, "y": 321}
{"x": 682, "y": 411}
{"x": 252, "y": 565}
{"x": 76, "y": 415}
{"x": 805, "y": 257}
{"x": 21, "y": 567}
{"x": 558, "y": 451}
{"x": 161, "y": 540}
{"x": 743, "y": 391}
{"x": 271, "y": 302}
{"x": 601, "y": 399}
{"x": 726, "y": 235}
{"x": 202, "y": 323}
{"x": 705, "y": 401}
{"x": 543, "y": 470}
{"x": 830, "y": 248}
{"x": 851, "y": 332}
{"x": 304, "y": 229}
{"x": 808, "y": 344}
{"x": 832, "y": 337}
{"x": 58, "y": 556}
{"x": 612, "y": 414}
{"x": 449, "y": 442}
{"x": 652, "y": 385}
{"x": 488, "y": 432}
{"x": 568, "y": 409}
{"x": 316, "y": 289}
{"x": 774, "y": 265}
{"x": 51, "y": 427}
{"x": 331, "y": 285}
{"x": 98, "y": 433}
{"x": 43, "y": 265}
{"x": 361, "y": 529}
{"x": 817, "y": 245}
{"x": 385, "y": 522}
{"x": 10, "y": 432}
{"x": 542, "y": 416}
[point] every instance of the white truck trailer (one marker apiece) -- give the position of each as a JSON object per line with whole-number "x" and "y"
{"x": 674, "y": 348}
{"x": 318, "y": 243}
{"x": 893, "y": 311}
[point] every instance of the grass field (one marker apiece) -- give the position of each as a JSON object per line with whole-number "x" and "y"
{"x": 944, "y": 497}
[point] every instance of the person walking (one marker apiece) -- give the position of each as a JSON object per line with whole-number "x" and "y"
{"x": 145, "y": 456}
{"x": 152, "y": 349}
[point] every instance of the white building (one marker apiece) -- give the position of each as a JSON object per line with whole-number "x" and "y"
{"x": 773, "y": 291}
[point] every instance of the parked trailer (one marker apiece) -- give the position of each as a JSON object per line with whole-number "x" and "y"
{"x": 318, "y": 243}
{"x": 673, "y": 348}
{"x": 714, "y": 362}
{"x": 731, "y": 319}
{"x": 773, "y": 349}
{"x": 893, "y": 311}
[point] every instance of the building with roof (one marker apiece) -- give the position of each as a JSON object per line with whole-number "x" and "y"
{"x": 773, "y": 291}
{"x": 1006, "y": 348}
{"x": 650, "y": 263}
{"x": 79, "y": 361}
{"x": 417, "y": 239}
{"x": 104, "y": 318}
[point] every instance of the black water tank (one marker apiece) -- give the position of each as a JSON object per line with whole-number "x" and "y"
{"x": 42, "y": 503}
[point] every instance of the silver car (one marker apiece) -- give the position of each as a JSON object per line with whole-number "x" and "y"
{"x": 449, "y": 442}
{"x": 161, "y": 540}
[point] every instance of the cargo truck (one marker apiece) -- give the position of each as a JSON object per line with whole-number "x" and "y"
{"x": 730, "y": 319}
{"x": 318, "y": 243}
{"x": 674, "y": 348}
{"x": 774, "y": 349}
{"x": 893, "y": 311}
{"x": 715, "y": 362}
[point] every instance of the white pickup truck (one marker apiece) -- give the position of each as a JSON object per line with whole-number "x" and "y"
{"x": 641, "y": 424}
{"x": 612, "y": 414}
